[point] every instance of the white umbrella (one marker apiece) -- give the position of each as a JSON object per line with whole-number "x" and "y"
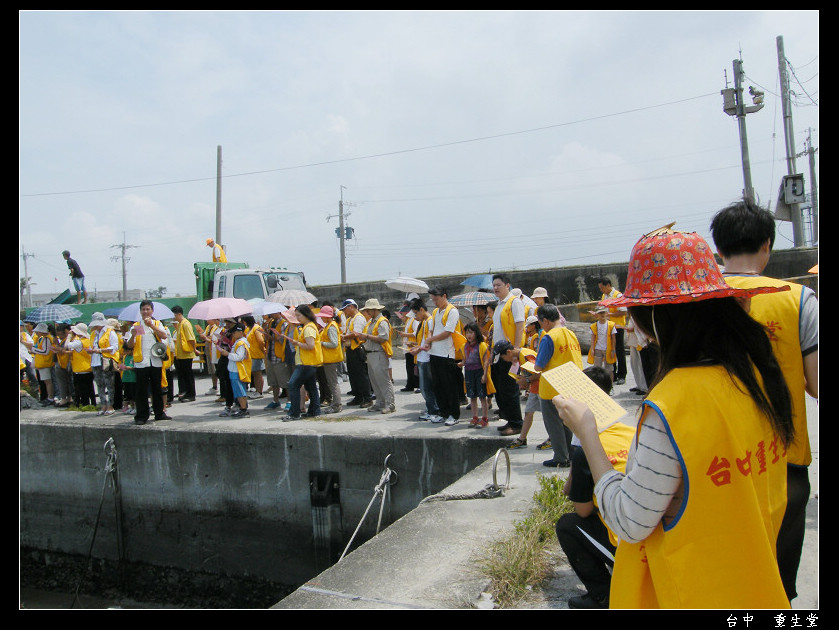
{"x": 220, "y": 308}
{"x": 406, "y": 284}
{"x": 292, "y": 297}
{"x": 131, "y": 313}
{"x": 268, "y": 308}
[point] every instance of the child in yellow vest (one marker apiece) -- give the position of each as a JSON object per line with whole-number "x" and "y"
{"x": 603, "y": 339}
{"x": 239, "y": 367}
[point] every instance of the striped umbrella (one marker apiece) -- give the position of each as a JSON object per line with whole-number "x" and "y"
{"x": 473, "y": 298}
{"x": 52, "y": 313}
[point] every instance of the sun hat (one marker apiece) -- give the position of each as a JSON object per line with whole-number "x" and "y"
{"x": 80, "y": 329}
{"x": 97, "y": 319}
{"x": 412, "y": 296}
{"x": 326, "y": 312}
{"x": 113, "y": 323}
{"x": 372, "y": 305}
{"x": 516, "y": 292}
{"x": 539, "y": 292}
{"x": 668, "y": 267}
{"x": 41, "y": 328}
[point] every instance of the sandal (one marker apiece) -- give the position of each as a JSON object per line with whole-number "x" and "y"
{"x": 484, "y": 423}
{"x": 474, "y": 421}
{"x": 517, "y": 443}
{"x": 544, "y": 446}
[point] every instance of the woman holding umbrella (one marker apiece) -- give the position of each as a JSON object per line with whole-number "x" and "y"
{"x": 308, "y": 357}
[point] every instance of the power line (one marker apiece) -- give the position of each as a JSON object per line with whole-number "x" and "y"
{"x": 386, "y": 154}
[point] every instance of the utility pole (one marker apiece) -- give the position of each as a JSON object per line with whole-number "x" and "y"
{"x": 26, "y": 277}
{"x": 123, "y": 247}
{"x": 343, "y": 233}
{"x": 218, "y": 195}
{"x": 733, "y": 105}
{"x": 814, "y": 195}
{"x": 795, "y": 208}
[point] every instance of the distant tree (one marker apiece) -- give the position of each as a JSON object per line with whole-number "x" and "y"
{"x": 159, "y": 292}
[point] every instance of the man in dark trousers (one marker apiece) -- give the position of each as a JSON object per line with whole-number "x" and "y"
{"x": 77, "y": 276}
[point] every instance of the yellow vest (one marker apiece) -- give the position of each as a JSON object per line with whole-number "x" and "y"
{"x": 332, "y": 355}
{"x": 80, "y": 360}
{"x": 243, "y": 366}
{"x": 566, "y": 348}
{"x": 43, "y": 360}
{"x": 354, "y": 343}
{"x": 310, "y": 357}
{"x": 222, "y": 257}
{"x": 387, "y": 346}
{"x": 779, "y": 313}
{"x": 256, "y": 350}
{"x": 138, "y": 344}
{"x": 104, "y": 336}
{"x": 63, "y": 360}
{"x": 719, "y": 549}
{"x": 610, "y": 343}
{"x": 508, "y": 325}
{"x": 458, "y": 352}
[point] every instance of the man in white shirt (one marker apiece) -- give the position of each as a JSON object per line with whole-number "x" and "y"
{"x": 149, "y": 369}
{"x": 442, "y": 361}
{"x": 507, "y": 325}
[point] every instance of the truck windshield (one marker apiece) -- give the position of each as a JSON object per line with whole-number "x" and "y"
{"x": 247, "y": 287}
{"x": 283, "y": 281}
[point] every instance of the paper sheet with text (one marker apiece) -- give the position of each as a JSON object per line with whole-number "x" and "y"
{"x": 569, "y": 380}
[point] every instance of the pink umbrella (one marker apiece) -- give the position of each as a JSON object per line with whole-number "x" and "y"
{"x": 220, "y": 308}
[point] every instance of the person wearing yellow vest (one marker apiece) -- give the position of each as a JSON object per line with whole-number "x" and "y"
{"x": 277, "y": 370}
{"x": 603, "y": 340}
{"x": 255, "y": 335}
{"x": 44, "y": 360}
{"x": 559, "y": 345}
{"x": 333, "y": 356}
{"x": 405, "y": 314}
{"x": 104, "y": 358}
{"x": 218, "y": 251}
{"x": 185, "y": 347}
{"x": 79, "y": 345}
{"x": 446, "y": 376}
{"x": 209, "y": 336}
{"x": 356, "y": 356}
{"x": 63, "y": 373}
{"x": 239, "y": 367}
{"x": 376, "y": 338}
{"x": 148, "y": 366}
{"x": 423, "y": 361}
{"x": 699, "y": 507}
{"x": 744, "y": 234}
{"x": 507, "y": 325}
{"x": 586, "y": 541}
{"x": 308, "y": 356}
{"x": 618, "y": 317}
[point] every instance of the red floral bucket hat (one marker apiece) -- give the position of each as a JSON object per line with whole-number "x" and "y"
{"x": 668, "y": 267}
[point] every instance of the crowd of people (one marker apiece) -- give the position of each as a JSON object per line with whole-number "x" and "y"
{"x": 723, "y": 362}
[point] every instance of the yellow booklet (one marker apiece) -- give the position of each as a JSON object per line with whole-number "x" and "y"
{"x": 569, "y": 380}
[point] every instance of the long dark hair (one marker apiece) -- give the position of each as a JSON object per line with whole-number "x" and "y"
{"x": 720, "y": 330}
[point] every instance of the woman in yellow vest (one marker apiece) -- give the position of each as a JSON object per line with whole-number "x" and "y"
{"x": 603, "y": 340}
{"x": 707, "y": 467}
{"x": 43, "y": 359}
{"x": 333, "y": 356}
{"x": 239, "y": 367}
{"x": 63, "y": 373}
{"x": 308, "y": 356}
{"x": 79, "y": 344}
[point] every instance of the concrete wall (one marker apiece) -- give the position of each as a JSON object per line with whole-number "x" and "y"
{"x": 233, "y": 503}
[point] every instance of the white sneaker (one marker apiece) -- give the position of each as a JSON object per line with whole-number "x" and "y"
{"x": 253, "y": 394}
{"x": 436, "y": 419}
{"x": 451, "y": 420}
{"x": 212, "y": 392}
{"x": 424, "y": 416}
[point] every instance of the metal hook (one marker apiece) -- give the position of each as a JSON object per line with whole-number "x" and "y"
{"x": 495, "y": 466}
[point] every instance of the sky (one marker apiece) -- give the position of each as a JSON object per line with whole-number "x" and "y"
{"x": 460, "y": 142}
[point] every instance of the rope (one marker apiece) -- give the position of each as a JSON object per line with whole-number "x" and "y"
{"x": 379, "y": 490}
{"x": 490, "y": 491}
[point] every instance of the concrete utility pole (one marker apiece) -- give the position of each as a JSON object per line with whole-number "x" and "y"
{"x": 795, "y": 209}
{"x": 123, "y": 247}
{"x": 733, "y": 105}
{"x": 814, "y": 195}
{"x": 341, "y": 238}
{"x": 218, "y": 195}
{"x": 26, "y": 278}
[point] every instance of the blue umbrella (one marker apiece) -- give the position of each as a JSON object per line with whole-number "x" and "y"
{"x": 52, "y": 313}
{"x": 131, "y": 313}
{"x": 480, "y": 281}
{"x": 113, "y": 312}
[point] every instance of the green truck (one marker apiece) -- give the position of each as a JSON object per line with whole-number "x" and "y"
{"x": 212, "y": 280}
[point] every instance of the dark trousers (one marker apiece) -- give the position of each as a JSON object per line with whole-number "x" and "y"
{"x": 304, "y": 376}
{"x": 118, "y": 390}
{"x": 589, "y": 563}
{"x": 506, "y": 393}
{"x": 148, "y": 380}
{"x": 83, "y": 389}
{"x": 224, "y": 387}
{"x": 186, "y": 377}
{"x": 323, "y": 386}
{"x": 357, "y": 371}
{"x": 410, "y": 366}
{"x": 791, "y": 535}
{"x": 620, "y": 352}
{"x": 446, "y": 385}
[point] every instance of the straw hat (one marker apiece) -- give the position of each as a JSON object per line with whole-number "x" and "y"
{"x": 372, "y": 305}
{"x": 80, "y": 329}
{"x": 668, "y": 267}
{"x": 539, "y": 292}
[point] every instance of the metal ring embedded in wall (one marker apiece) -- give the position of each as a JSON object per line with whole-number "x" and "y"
{"x": 495, "y": 467}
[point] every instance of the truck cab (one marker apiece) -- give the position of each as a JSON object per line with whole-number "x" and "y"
{"x": 214, "y": 280}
